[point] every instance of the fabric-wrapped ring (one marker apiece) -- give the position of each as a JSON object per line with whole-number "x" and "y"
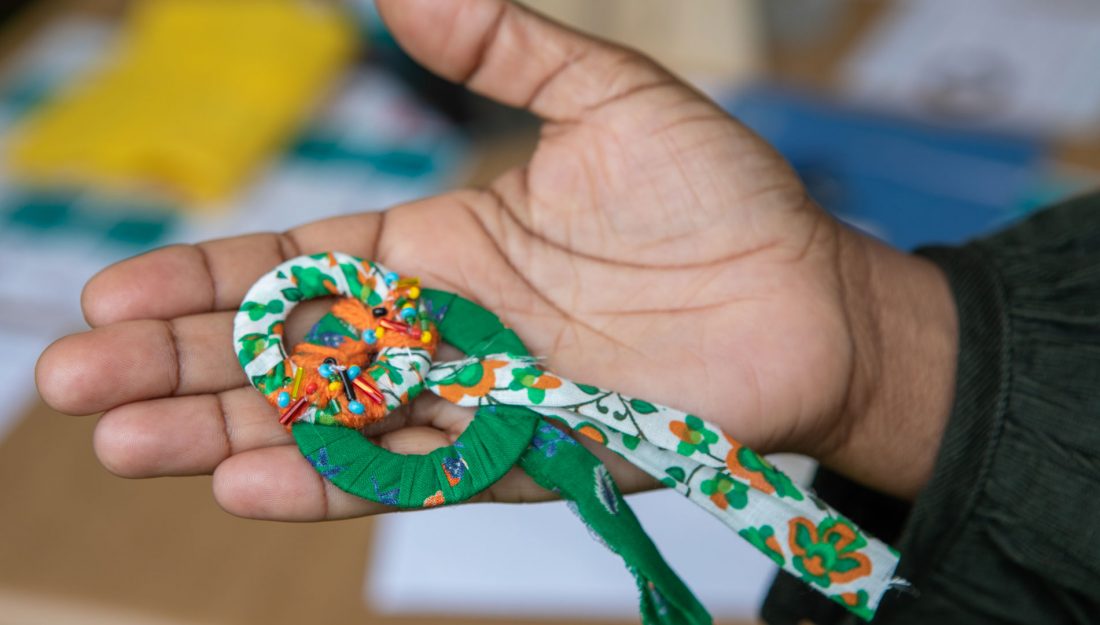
{"x": 355, "y": 355}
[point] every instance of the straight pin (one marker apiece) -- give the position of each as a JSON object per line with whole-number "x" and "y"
{"x": 291, "y": 413}
{"x": 398, "y": 326}
{"x": 298, "y": 375}
{"x": 350, "y": 394}
{"x": 368, "y": 389}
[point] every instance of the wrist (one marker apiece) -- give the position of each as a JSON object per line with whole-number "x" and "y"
{"x": 905, "y": 331}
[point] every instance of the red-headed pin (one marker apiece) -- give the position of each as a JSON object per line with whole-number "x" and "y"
{"x": 291, "y": 413}
{"x": 362, "y": 384}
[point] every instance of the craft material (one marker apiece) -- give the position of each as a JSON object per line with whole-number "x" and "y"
{"x": 522, "y": 411}
{"x": 199, "y": 93}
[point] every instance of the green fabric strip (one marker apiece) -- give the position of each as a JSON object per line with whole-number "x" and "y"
{"x": 469, "y": 327}
{"x": 482, "y": 455}
{"x": 490, "y": 446}
{"x": 499, "y": 437}
{"x": 557, "y": 462}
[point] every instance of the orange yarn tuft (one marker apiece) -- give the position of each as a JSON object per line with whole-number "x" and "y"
{"x": 355, "y": 313}
{"x": 350, "y": 352}
{"x": 310, "y": 357}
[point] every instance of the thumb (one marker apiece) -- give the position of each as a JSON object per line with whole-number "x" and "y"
{"x": 518, "y": 57}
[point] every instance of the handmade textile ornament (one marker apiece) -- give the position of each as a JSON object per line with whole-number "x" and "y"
{"x": 373, "y": 352}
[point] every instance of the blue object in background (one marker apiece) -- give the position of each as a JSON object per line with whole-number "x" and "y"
{"x": 905, "y": 182}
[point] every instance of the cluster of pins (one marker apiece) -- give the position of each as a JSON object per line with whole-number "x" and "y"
{"x": 293, "y": 402}
{"x": 411, "y": 319}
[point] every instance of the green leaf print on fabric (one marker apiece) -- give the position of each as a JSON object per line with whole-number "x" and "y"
{"x": 257, "y": 311}
{"x": 272, "y": 379}
{"x": 856, "y": 602}
{"x": 763, "y": 538}
{"x": 252, "y": 345}
{"x": 353, "y": 276}
{"x": 641, "y": 406}
{"x": 313, "y": 282}
{"x": 467, "y": 376}
{"x": 535, "y": 380}
{"x": 726, "y": 492}
{"x": 383, "y": 367}
{"x": 588, "y": 389}
{"x": 676, "y": 476}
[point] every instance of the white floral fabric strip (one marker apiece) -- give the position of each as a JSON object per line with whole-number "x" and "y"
{"x": 790, "y": 525}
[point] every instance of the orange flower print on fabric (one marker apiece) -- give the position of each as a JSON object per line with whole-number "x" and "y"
{"x": 693, "y": 434}
{"x": 591, "y": 431}
{"x": 474, "y": 380}
{"x": 535, "y": 380}
{"x": 758, "y": 472}
{"x": 828, "y": 553}
{"x": 435, "y": 500}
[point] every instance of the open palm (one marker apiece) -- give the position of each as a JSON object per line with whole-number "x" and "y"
{"x": 651, "y": 245}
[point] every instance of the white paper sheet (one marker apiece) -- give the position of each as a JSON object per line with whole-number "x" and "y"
{"x": 1018, "y": 65}
{"x": 538, "y": 560}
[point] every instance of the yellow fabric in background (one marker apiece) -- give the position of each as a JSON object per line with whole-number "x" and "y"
{"x": 199, "y": 94}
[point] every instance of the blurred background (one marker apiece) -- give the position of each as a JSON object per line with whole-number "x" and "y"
{"x": 130, "y": 125}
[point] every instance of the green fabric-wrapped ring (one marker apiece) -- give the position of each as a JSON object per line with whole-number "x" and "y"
{"x": 502, "y": 434}
{"x": 490, "y": 446}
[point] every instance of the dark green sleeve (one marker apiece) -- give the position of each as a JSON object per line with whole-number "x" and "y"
{"x": 1008, "y": 528}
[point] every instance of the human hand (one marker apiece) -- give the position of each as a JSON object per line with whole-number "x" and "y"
{"x": 652, "y": 245}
